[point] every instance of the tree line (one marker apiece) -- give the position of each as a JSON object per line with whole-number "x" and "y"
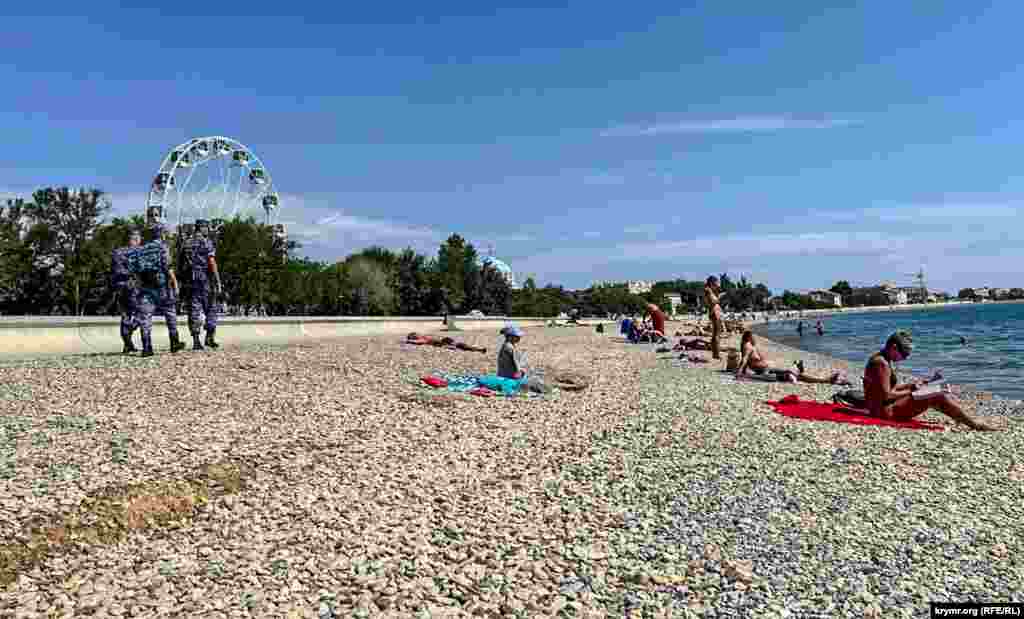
{"x": 55, "y": 254}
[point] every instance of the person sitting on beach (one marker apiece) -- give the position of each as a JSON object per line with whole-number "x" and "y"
{"x": 657, "y": 318}
{"x": 444, "y": 342}
{"x": 820, "y": 328}
{"x": 509, "y": 365}
{"x": 752, "y": 359}
{"x": 888, "y": 400}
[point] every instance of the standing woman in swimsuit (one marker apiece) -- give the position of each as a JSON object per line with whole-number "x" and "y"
{"x": 711, "y": 290}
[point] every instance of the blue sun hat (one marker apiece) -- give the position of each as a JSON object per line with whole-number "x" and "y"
{"x": 513, "y": 331}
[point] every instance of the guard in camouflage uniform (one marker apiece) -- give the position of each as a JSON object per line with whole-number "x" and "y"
{"x": 125, "y": 290}
{"x": 158, "y": 289}
{"x": 199, "y": 257}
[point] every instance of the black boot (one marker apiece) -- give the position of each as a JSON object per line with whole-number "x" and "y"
{"x": 176, "y": 344}
{"x": 129, "y": 347}
{"x": 209, "y": 339}
{"x": 147, "y": 346}
{"x": 196, "y": 344}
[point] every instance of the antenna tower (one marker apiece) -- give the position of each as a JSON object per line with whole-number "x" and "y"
{"x": 922, "y": 285}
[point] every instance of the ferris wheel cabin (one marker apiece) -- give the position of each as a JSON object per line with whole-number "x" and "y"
{"x": 181, "y": 159}
{"x": 222, "y": 147}
{"x": 258, "y": 176}
{"x": 154, "y": 214}
{"x": 270, "y": 202}
{"x": 202, "y": 149}
{"x": 162, "y": 181}
{"x": 241, "y": 157}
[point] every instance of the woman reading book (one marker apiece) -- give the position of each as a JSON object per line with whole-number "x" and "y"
{"x": 888, "y": 400}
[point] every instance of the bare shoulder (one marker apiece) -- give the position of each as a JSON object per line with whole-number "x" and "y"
{"x": 877, "y": 361}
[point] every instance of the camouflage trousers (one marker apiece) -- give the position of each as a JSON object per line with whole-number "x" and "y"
{"x": 158, "y": 301}
{"x": 202, "y": 303}
{"x": 128, "y": 304}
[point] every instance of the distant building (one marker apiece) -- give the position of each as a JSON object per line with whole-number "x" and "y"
{"x": 1000, "y": 293}
{"x": 675, "y": 300}
{"x": 915, "y": 294}
{"x": 981, "y": 293}
{"x": 826, "y": 297}
{"x": 639, "y": 286}
{"x": 878, "y": 295}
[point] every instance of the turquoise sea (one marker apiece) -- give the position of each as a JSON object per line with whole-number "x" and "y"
{"x": 992, "y": 360}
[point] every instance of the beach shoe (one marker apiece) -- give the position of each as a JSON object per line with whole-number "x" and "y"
{"x": 799, "y": 366}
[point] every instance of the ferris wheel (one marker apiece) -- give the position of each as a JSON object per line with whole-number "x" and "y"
{"x": 213, "y": 178}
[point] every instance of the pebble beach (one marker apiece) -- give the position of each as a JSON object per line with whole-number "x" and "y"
{"x": 325, "y": 480}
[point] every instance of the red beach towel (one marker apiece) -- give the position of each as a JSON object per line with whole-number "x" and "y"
{"x": 792, "y": 406}
{"x": 434, "y": 381}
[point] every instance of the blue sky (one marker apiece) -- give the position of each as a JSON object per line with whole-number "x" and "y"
{"x": 795, "y": 143}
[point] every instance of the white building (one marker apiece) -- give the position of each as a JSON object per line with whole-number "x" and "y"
{"x": 639, "y": 286}
{"x": 826, "y": 297}
{"x": 1000, "y": 293}
{"x": 675, "y": 300}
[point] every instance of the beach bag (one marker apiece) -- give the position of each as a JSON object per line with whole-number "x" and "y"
{"x": 146, "y": 262}
{"x": 851, "y": 398}
{"x": 732, "y": 361}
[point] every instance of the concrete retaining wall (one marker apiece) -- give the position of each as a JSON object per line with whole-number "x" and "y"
{"x": 39, "y": 336}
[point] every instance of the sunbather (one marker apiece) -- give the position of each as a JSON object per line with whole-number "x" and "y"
{"x": 694, "y": 344}
{"x": 751, "y": 359}
{"x": 444, "y": 342}
{"x": 888, "y": 400}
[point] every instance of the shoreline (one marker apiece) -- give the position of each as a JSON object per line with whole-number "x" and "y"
{"x": 974, "y": 400}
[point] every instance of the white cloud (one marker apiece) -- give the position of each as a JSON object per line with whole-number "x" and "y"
{"x": 644, "y": 229}
{"x": 923, "y": 214}
{"x": 749, "y": 124}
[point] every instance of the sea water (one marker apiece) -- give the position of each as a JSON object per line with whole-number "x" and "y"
{"x": 992, "y": 360}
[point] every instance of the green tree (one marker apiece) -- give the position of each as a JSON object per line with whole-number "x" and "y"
{"x": 842, "y": 288}
{"x": 64, "y": 221}
{"x": 450, "y": 268}
{"x": 15, "y": 258}
{"x": 412, "y": 283}
{"x": 495, "y": 292}
{"x": 966, "y": 293}
{"x": 367, "y": 290}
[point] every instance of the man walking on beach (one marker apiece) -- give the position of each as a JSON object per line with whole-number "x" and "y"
{"x": 124, "y": 287}
{"x": 200, "y": 264}
{"x": 711, "y": 293}
{"x": 158, "y": 289}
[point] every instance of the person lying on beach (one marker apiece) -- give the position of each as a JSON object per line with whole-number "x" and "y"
{"x": 751, "y": 359}
{"x": 444, "y": 342}
{"x": 888, "y": 400}
{"x": 694, "y": 344}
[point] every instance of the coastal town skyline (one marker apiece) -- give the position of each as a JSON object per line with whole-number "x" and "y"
{"x": 774, "y": 143}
